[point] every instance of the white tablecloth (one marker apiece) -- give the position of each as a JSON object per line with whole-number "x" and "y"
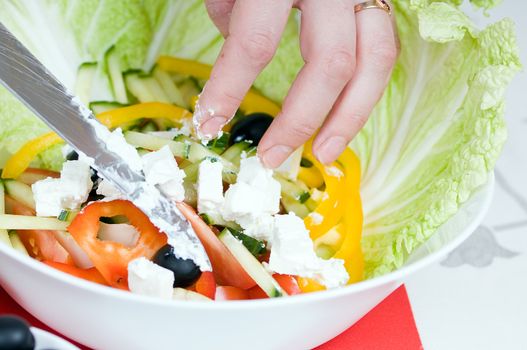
{"x": 477, "y": 297}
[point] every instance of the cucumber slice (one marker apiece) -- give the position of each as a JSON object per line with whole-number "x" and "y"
{"x": 20, "y": 192}
{"x": 85, "y": 76}
{"x": 135, "y": 84}
{"x": 191, "y": 193}
{"x": 155, "y": 89}
{"x": 234, "y": 153}
{"x": 219, "y": 144}
{"x": 22, "y": 222}
{"x": 217, "y": 220}
{"x": 4, "y": 236}
{"x": 17, "y": 244}
{"x": 293, "y": 205}
{"x": 251, "y": 265}
{"x": 191, "y": 171}
{"x": 254, "y": 246}
{"x": 193, "y": 151}
{"x": 189, "y": 88}
{"x": 296, "y": 189}
{"x": 183, "y": 294}
{"x": 291, "y": 166}
{"x": 98, "y": 107}
{"x": 169, "y": 87}
{"x": 113, "y": 67}
{"x": 2, "y": 197}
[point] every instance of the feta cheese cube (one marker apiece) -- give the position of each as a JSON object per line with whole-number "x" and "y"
{"x": 106, "y": 189}
{"x": 147, "y": 278}
{"x": 292, "y": 253}
{"x": 254, "y": 194}
{"x": 160, "y": 168}
{"x": 66, "y": 193}
{"x": 210, "y": 187}
{"x": 116, "y": 143}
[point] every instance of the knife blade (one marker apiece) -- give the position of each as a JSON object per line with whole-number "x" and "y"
{"x": 27, "y": 78}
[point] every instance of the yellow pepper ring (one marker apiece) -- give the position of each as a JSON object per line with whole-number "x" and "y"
{"x": 253, "y": 101}
{"x": 184, "y": 67}
{"x": 311, "y": 177}
{"x": 331, "y": 208}
{"x": 150, "y": 110}
{"x": 20, "y": 161}
{"x": 350, "y": 250}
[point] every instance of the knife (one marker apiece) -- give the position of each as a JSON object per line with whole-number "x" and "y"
{"x": 28, "y": 79}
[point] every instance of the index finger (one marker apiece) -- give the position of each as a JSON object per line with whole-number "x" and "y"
{"x": 254, "y": 33}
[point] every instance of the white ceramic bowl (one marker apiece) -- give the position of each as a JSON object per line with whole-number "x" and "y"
{"x": 105, "y": 318}
{"x": 45, "y": 341}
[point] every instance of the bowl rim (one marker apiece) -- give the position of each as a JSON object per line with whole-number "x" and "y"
{"x": 487, "y": 190}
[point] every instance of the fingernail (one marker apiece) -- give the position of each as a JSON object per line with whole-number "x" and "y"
{"x": 213, "y": 125}
{"x": 274, "y": 156}
{"x": 331, "y": 149}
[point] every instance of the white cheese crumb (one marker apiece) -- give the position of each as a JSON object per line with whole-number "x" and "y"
{"x": 147, "y": 278}
{"x": 334, "y": 171}
{"x": 106, "y": 189}
{"x": 161, "y": 169}
{"x": 255, "y": 193}
{"x": 66, "y": 193}
{"x": 316, "y": 218}
{"x": 210, "y": 187}
{"x": 292, "y": 253}
{"x": 117, "y": 144}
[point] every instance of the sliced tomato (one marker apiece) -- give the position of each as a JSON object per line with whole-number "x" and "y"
{"x": 40, "y": 244}
{"x": 206, "y": 285}
{"x": 112, "y": 258}
{"x": 227, "y": 270}
{"x": 287, "y": 282}
{"x": 32, "y": 175}
{"x": 92, "y": 274}
{"x": 231, "y": 293}
{"x": 257, "y": 293}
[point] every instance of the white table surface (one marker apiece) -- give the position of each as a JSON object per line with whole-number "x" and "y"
{"x": 477, "y": 297}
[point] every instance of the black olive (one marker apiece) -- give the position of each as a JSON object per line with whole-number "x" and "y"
{"x": 72, "y": 156}
{"x": 250, "y": 128}
{"x": 94, "y": 176}
{"x": 15, "y": 334}
{"x": 186, "y": 272}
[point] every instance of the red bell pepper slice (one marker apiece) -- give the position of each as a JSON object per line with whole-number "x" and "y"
{"x": 110, "y": 258}
{"x": 92, "y": 274}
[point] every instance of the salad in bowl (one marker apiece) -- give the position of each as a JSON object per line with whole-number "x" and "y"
{"x": 430, "y": 145}
{"x": 266, "y": 233}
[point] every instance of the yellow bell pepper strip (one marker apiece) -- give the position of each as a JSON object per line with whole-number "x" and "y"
{"x": 20, "y": 161}
{"x": 150, "y": 110}
{"x": 253, "y": 101}
{"x": 311, "y": 177}
{"x": 184, "y": 67}
{"x": 309, "y": 285}
{"x": 350, "y": 250}
{"x": 331, "y": 208}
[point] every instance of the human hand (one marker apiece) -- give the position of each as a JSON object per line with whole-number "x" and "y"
{"x": 349, "y": 54}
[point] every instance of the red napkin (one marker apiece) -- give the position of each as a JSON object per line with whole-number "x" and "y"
{"x": 389, "y": 326}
